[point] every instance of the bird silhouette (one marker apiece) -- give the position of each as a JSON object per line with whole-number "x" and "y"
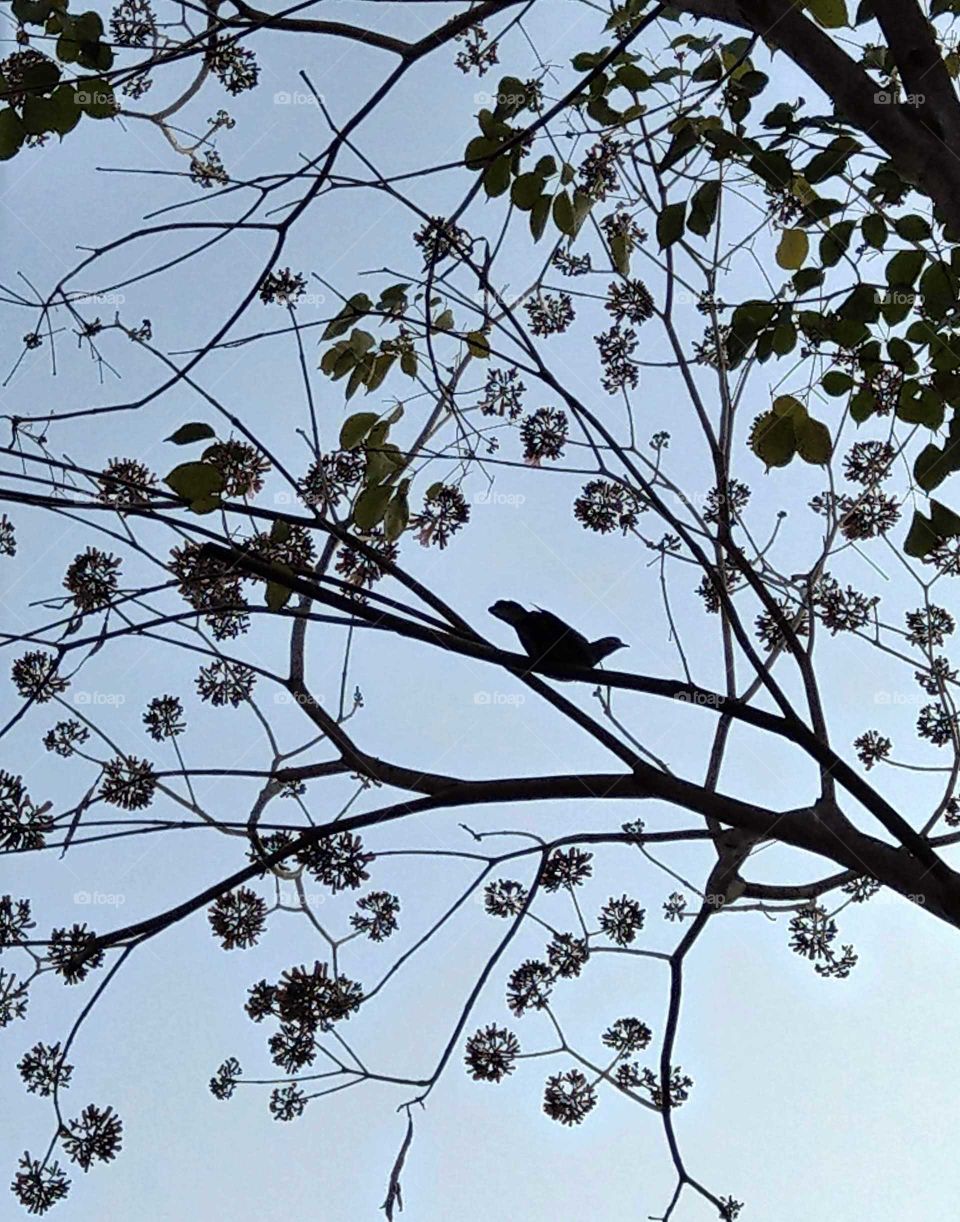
{"x": 548, "y": 641}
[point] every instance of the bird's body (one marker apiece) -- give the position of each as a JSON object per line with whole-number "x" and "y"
{"x": 548, "y": 641}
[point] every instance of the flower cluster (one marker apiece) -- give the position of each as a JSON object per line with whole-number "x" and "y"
{"x": 14, "y": 920}
{"x": 235, "y": 67}
{"x": 376, "y": 915}
{"x": 133, "y": 23}
{"x": 567, "y": 954}
{"x": 476, "y": 52}
{"x": 95, "y": 1135}
{"x": 73, "y": 953}
{"x": 622, "y": 919}
{"x": 337, "y": 861}
{"x": 128, "y": 782}
{"x": 929, "y": 626}
{"x": 287, "y": 1102}
{"x": 439, "y": 238}
{"x": 568, "y": 1097}
{"x": 544, "y": 434}
{"x": 504, "y": 898}
{"x": 360, "y": 569}
{"x": 210, "y": 586}
{"x": 734, "y": 496}
{"x": 502, "y": 394}
{"x": 550, "y": 313}
{"x": 598, "y": 172}
{"x": 35, "y": 676}
{"x": 529, "y": 987}
{"x": 841, "y": 610}
{"x": 241, "y": 465}
{"x": 164, "y": 718}
{"x": 491, "y": 1053}
{"x": 92, "y": 579}
{"x": 22, "y": 825}
{"x": 43, "y": 1069}
{"x": 224, "y": 1081}
{"x": 238, "y": 918}
{"x": 8, "y": 537}
{"x": 445, "y": 511}
{"x": 331, "y": 477}
{"x": 616, "y": 348}
{"x": 38, "y": 1186}
{"x": 282, "y": 287}
{"x": 566, "y": 868}
{"x": 813, "y": 932}
{"x": 224, "y": 682}
{"x": 604, "y": 506}
{"x": 868, "y": 462}
{"x": 125, "y": 483}
{"x": 630, "y": 300}
{"x": 872, "y": 747}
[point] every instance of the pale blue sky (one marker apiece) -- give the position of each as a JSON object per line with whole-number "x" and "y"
{"x": 813, "y": 1098}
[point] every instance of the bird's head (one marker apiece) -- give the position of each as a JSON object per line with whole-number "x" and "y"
{"x": 509, "y": 611}
{"x": 606, "y": 646}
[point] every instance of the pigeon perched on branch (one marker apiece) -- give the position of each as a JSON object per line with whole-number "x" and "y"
{"x": 548, "y": 641}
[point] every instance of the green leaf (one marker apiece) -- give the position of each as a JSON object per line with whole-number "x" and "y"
{"x": 670, "y": 224}
{"x": 378, "y": 370}
{"x": 774, "y": 439}
{"x": 834, "y": 243}
{"x": 831, "y": 14}
{"x": 478, "y": 152}
{"x": 913, "y": 228}
{"x": 945, "y": 522}
{"x": 11, "y": 133}
{"x": 703, "y": 208}
{"x": 539, "y": 214}
{"x": 371, "y": 506}
{"x": 355, "y": 429}
{"x": 861, "y": 305}
{"x": 526, "y": 190}
{"x": 813, "y": 442}
{"x": 939, "y": 289}
{"x": 187, "y": 434}
{"x": 95, "y": 97}
{"x": 793, "y": 249}
{"x": 684, "y": 139}
{"x": 563, "y": 216}
{"x": 355, "y": 309}
{"x": 396, "y": 517}
{"x": 836, "y": 383}
{"x": 65, "y": 113}
{"x": 921, "y": 538}
{"x": 200, "y": 483}
{"x": 904, "y": 268}
{"x": 496, "y": 177}
{"x": 278, "y": 595}
{"x": 443, "y": 321}
{"x": 808, "y": 278}
{"x": 931, "y": 467}
{"x": 633, "y": 78}
{"x": 478, "y": 344}
{"x": 620, "y": 253}
{"x": 874, "y": 229}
